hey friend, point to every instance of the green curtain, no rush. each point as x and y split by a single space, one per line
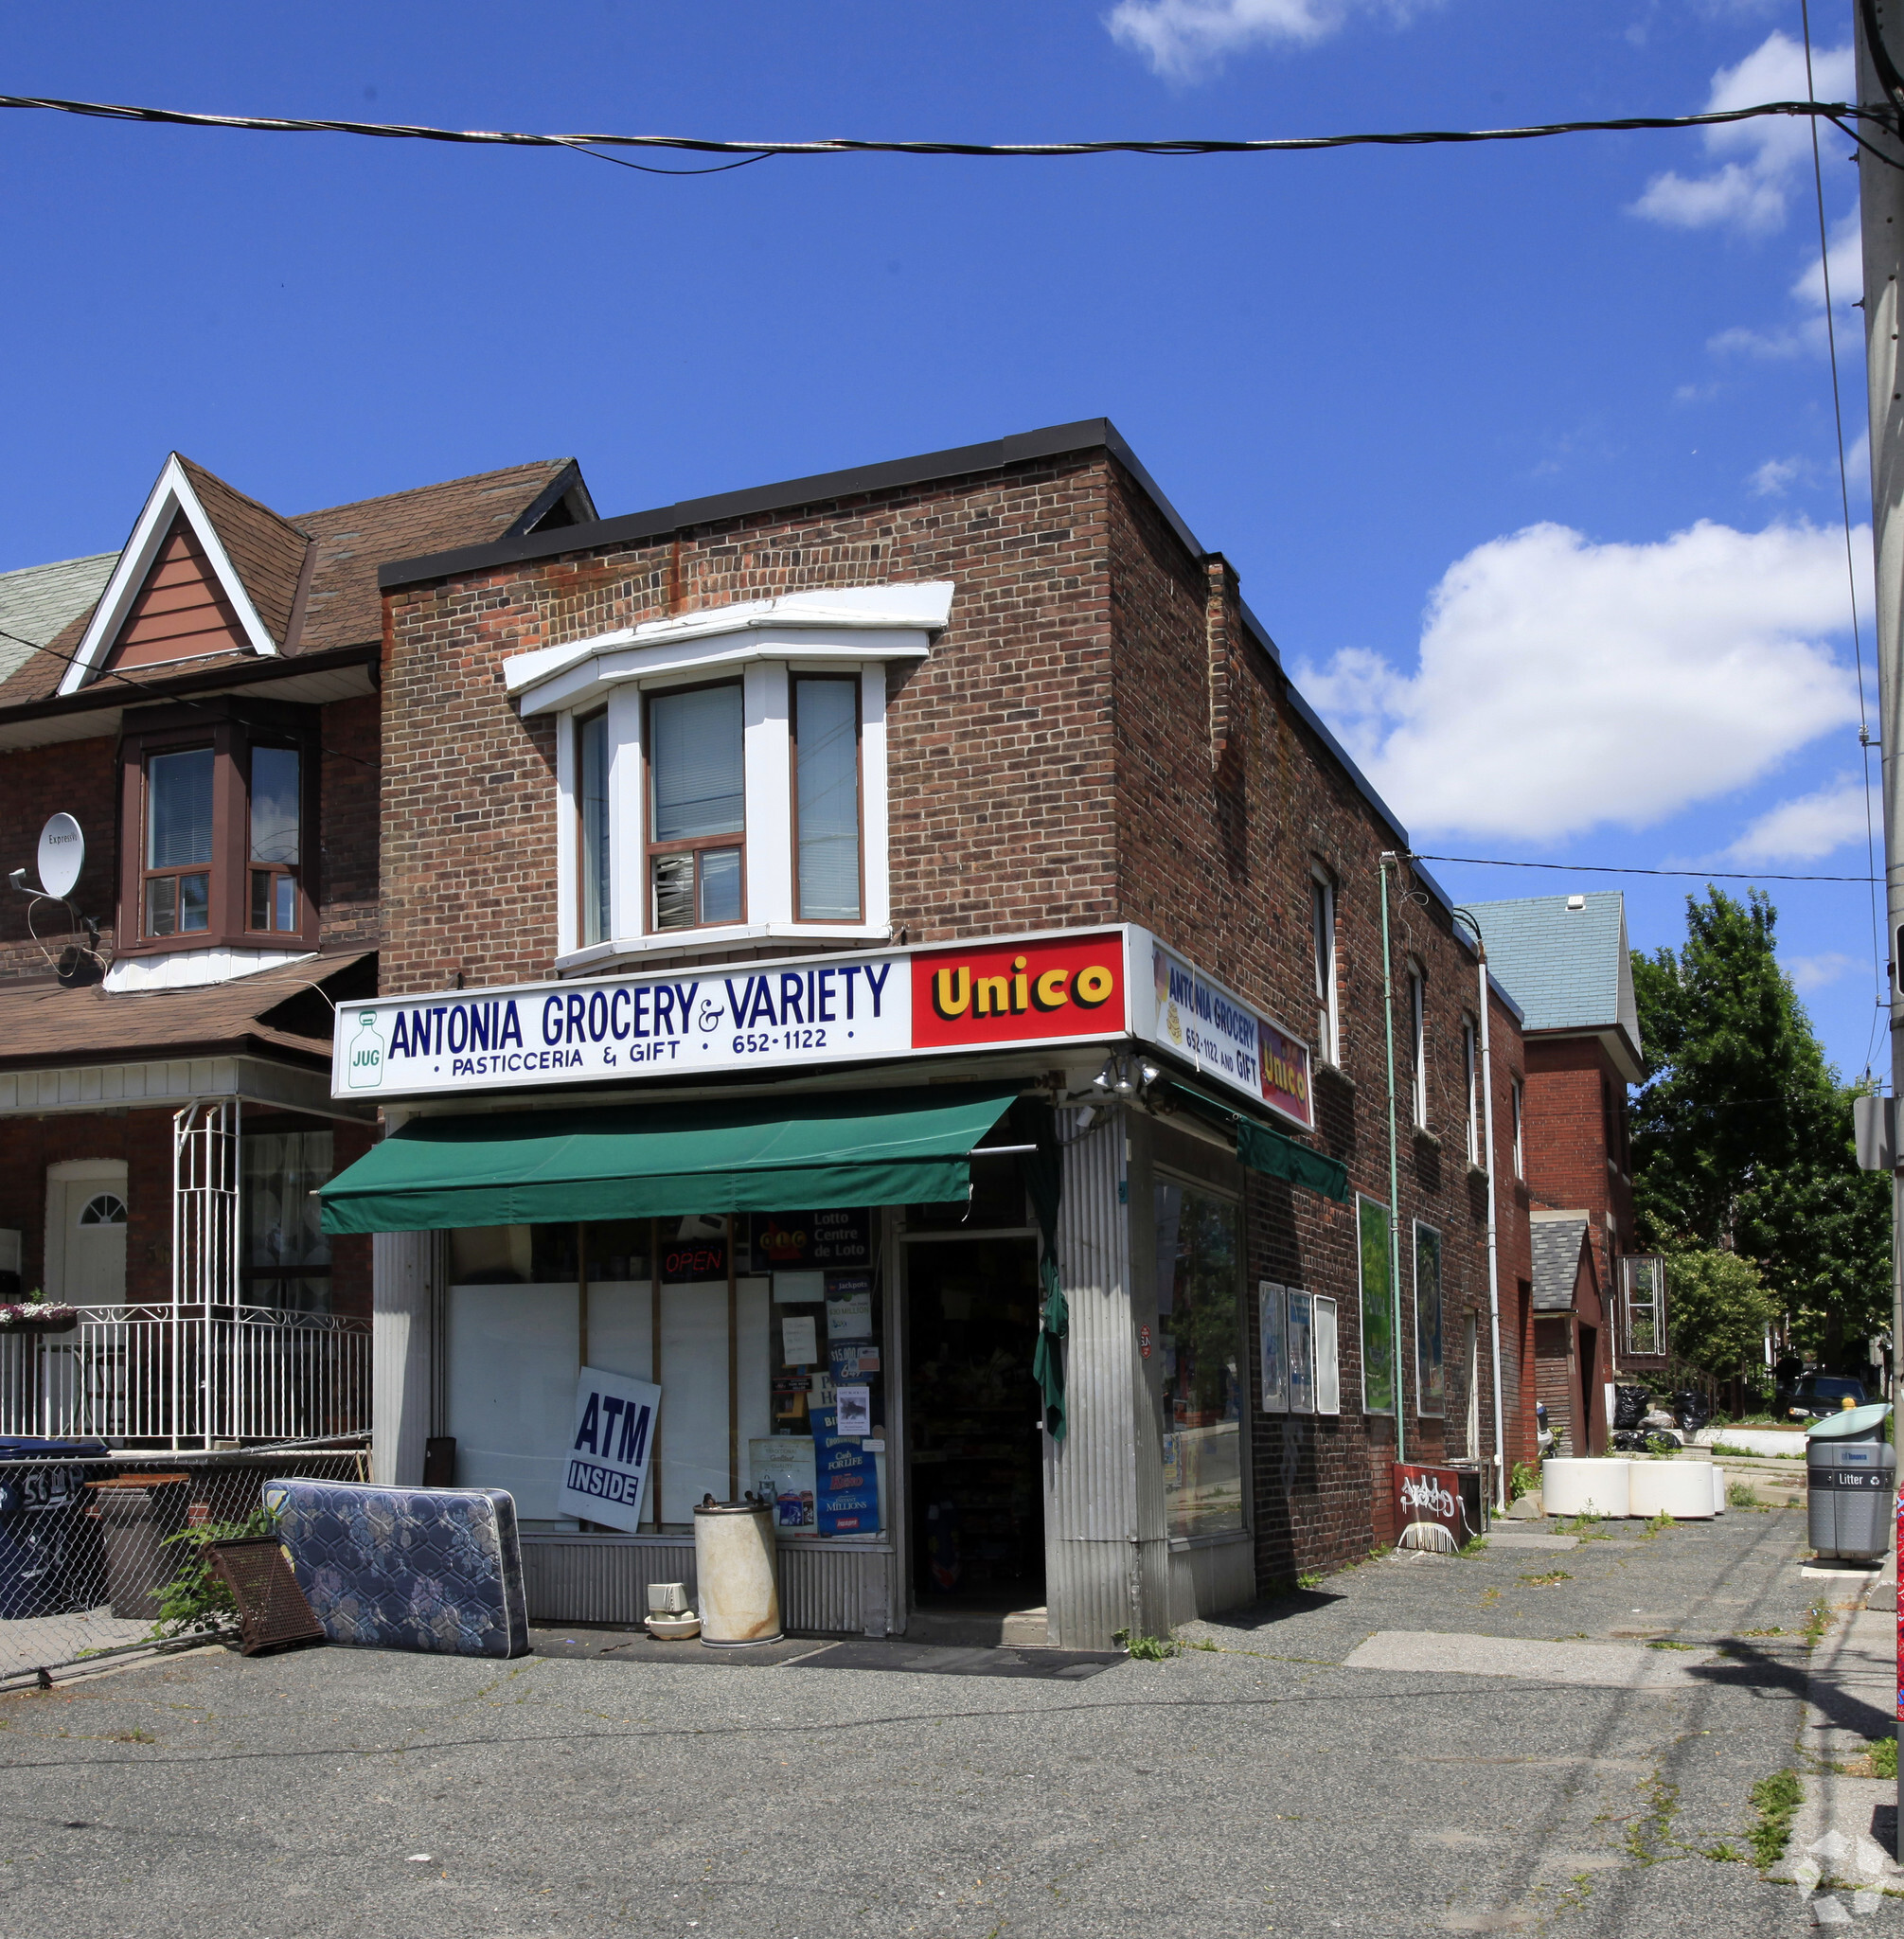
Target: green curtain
1042 1177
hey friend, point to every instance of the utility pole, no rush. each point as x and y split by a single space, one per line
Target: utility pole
1878 26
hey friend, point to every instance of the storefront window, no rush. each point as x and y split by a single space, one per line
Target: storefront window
1200 1326
286 1257
1430 1393
1377 1310
763 1334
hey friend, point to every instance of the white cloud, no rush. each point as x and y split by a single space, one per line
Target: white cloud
1564 684
1813 972
1771 479
1809 826
1183 39
1847 257
1759 161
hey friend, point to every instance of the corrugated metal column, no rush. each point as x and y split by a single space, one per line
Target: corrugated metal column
403 1350
1106 1558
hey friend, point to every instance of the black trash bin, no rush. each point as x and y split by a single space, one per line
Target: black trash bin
49 1548
137 1514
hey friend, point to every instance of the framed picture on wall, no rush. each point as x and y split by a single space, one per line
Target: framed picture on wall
1329 1362
1302 1352
1272 1329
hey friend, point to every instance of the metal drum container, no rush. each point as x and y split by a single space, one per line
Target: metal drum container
1850 1476
738 1586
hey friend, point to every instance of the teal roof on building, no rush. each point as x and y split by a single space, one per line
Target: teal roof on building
1565 961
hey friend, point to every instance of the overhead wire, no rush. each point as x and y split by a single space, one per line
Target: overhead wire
1880 963
1715 874
1842 115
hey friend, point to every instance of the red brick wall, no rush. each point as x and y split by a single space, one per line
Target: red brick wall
1567 1168
1094 738
80 778
142 1138
349 778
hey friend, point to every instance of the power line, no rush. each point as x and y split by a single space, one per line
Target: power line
1842 115
1715 874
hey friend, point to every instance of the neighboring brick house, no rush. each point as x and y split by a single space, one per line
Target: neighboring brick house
1566 960
991 730
1572 1342
202 703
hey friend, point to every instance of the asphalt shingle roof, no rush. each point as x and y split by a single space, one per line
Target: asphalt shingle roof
1568 969
37 602
1557 1262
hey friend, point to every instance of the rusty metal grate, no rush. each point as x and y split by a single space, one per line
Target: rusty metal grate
272 1610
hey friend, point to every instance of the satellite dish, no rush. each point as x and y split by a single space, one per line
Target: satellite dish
62 851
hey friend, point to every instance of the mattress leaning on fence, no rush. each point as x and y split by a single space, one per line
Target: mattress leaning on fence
427 1569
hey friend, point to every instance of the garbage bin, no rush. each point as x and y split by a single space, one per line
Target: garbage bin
49 1551
736 1582
1850 1474
137 1513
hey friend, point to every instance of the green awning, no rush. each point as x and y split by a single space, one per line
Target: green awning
754 1154
1268 1151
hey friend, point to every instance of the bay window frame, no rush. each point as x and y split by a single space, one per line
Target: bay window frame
689 845
796 675
230 730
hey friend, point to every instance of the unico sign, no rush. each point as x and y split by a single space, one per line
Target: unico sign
1017 992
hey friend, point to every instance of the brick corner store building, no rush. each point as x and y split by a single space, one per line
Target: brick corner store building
829 928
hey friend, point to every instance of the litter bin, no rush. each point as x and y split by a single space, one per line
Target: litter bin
49 1551
136 1514
733 1563
1850 1474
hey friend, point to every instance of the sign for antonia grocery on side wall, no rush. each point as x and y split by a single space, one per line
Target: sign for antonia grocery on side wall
993 993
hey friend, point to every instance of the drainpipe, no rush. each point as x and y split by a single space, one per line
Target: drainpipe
1388 859
1493 1231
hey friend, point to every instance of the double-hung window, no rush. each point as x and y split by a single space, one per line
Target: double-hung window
697 807
1322 913
216 836
827 883
179 791
722 770
1520 1152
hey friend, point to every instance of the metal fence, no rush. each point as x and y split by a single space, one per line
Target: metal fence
91 1545
189 1375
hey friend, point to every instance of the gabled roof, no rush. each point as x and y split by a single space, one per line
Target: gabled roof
1565 961
300 586
39 601
1558 1246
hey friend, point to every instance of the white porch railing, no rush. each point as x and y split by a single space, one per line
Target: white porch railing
189 1375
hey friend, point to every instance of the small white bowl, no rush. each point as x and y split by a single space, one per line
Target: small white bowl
675 1628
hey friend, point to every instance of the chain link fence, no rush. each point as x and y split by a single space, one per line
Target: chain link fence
91 1562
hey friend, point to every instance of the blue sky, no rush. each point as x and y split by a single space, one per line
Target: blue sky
1523 453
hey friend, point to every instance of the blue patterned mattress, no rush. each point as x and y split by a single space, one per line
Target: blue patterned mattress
428 1569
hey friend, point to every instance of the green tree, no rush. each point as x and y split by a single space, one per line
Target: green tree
1742 1136
1721 1308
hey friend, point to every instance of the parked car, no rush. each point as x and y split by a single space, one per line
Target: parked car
1819 1395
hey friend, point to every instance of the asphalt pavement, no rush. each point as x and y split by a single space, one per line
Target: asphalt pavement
1396 1750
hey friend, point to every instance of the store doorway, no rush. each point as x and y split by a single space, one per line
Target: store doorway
977 1513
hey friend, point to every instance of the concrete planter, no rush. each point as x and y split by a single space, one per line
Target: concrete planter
1683 1489
1581 1486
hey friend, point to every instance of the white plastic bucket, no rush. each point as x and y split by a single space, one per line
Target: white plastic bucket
1718 1490
1683 1489
1575 1486
738 1585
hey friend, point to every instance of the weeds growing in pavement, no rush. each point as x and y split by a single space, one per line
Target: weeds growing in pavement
1147 1649
1818 1620
1776 1800
1523 1480
1658 1525
1549 1580
1649 1834
1741 1494
1476 1545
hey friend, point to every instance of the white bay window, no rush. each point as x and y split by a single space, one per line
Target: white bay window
723 775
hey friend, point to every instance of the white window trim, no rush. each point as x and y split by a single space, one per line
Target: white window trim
1470 1059
764 655
170 496
1518 1091
848 625
1327 1000
1417 1024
